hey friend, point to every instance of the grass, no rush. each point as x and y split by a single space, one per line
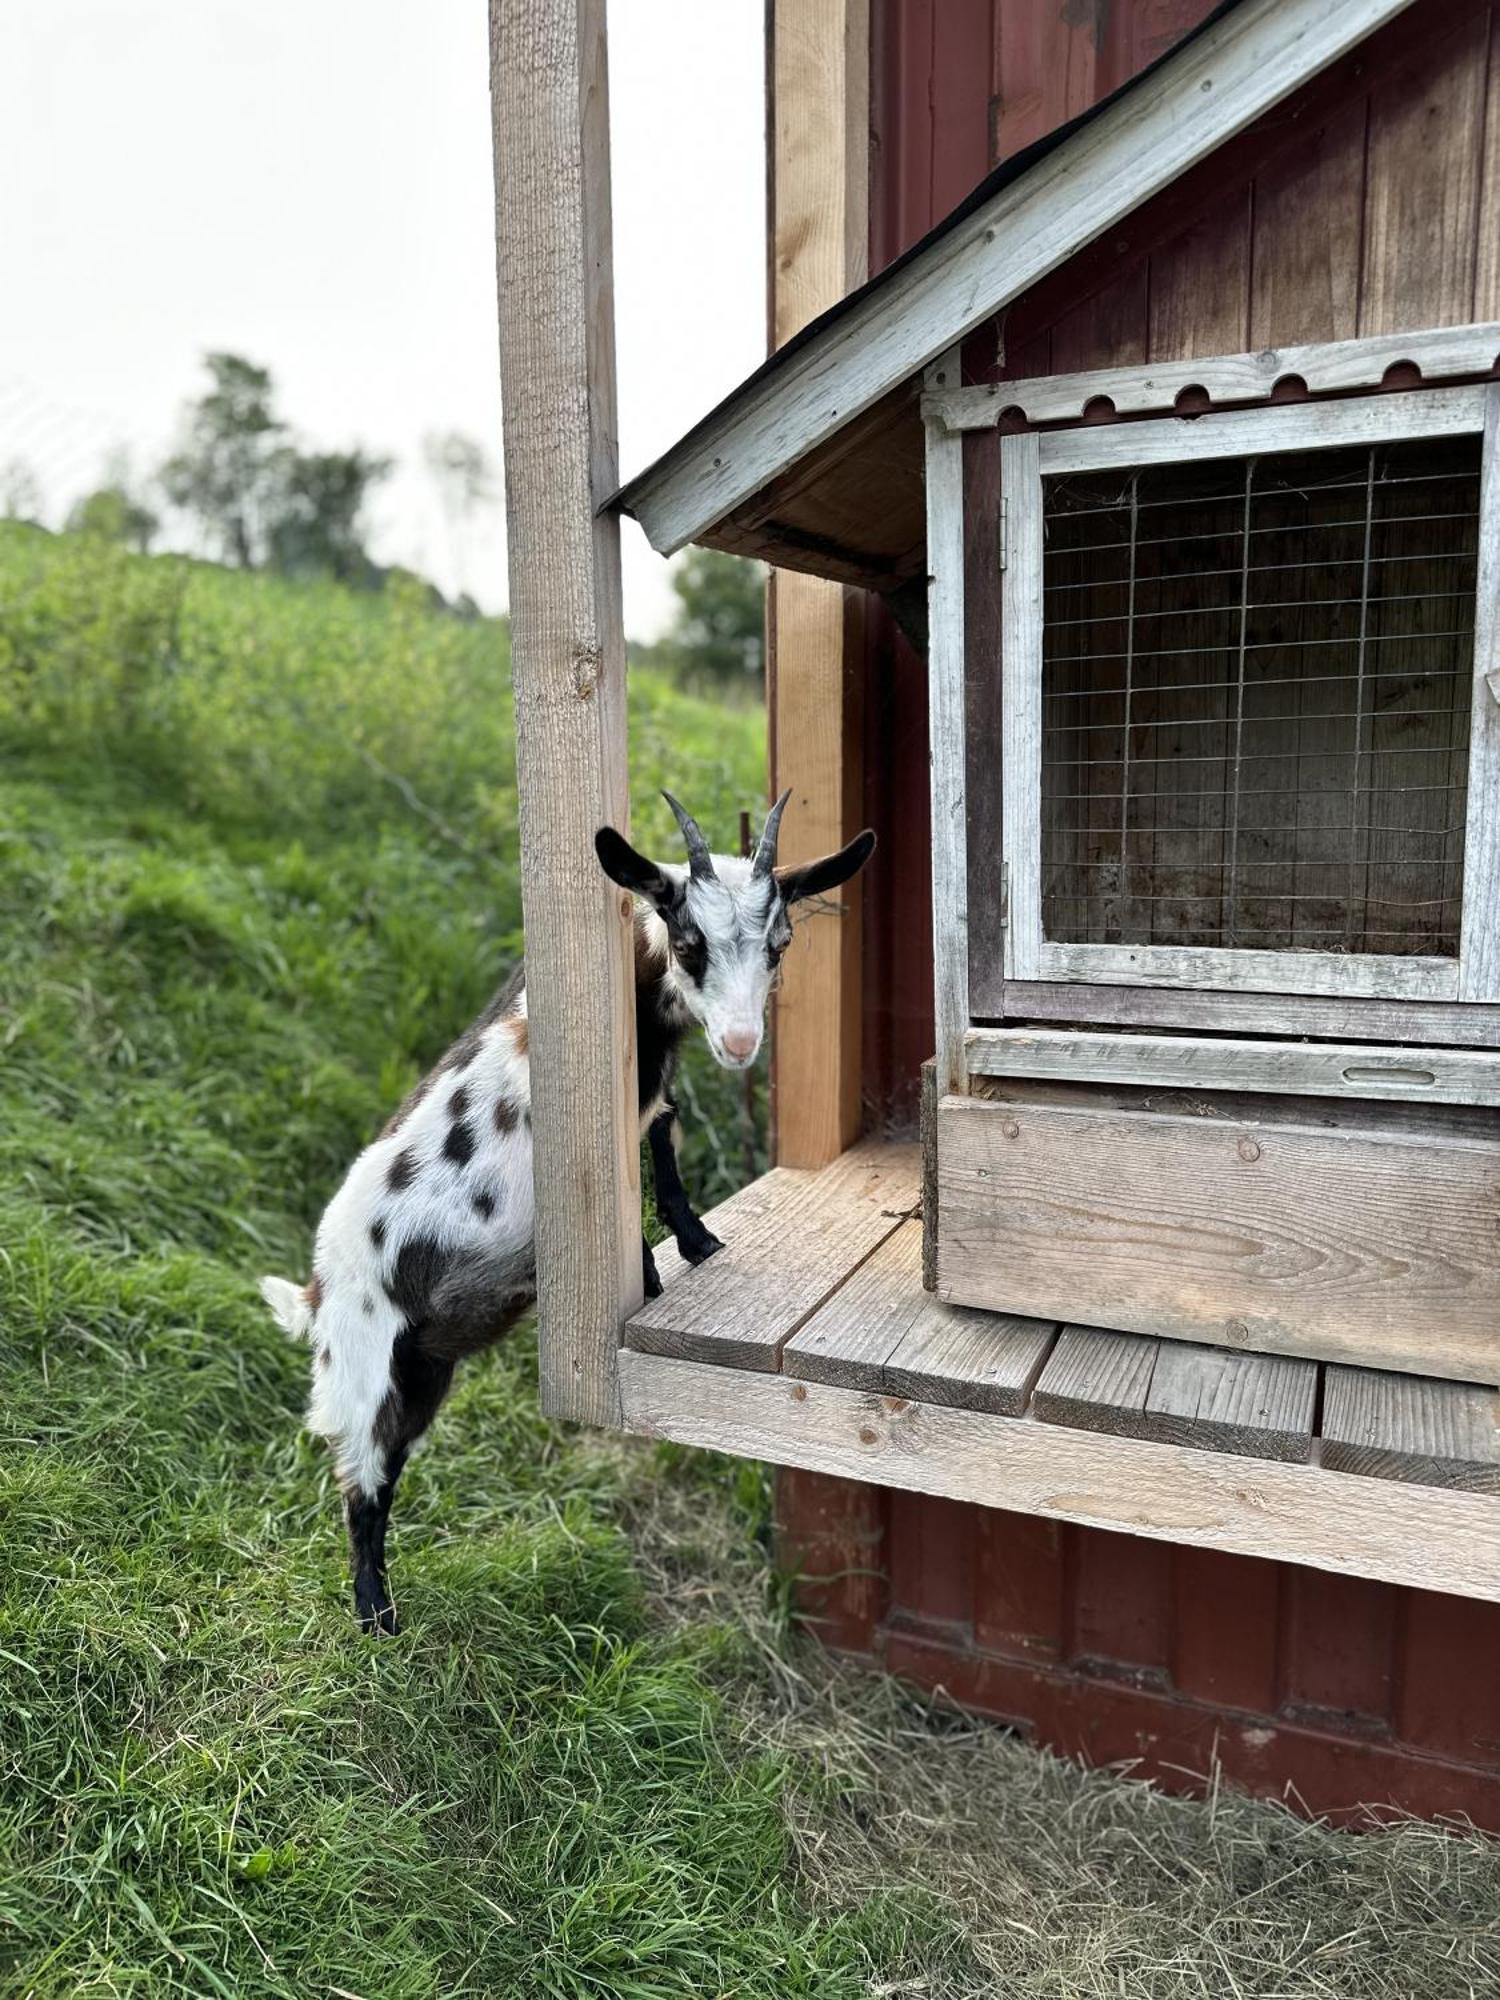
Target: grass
255 869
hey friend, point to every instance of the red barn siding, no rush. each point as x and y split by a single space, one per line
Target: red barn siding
1336 1691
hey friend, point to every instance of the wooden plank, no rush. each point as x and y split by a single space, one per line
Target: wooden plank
1203 1062
550 102
741 1306
1325 366
1368 974
1309 203
882 1331
1487 259
1233 73
769 1193
818 80
927 1138
1399 1021
1278 1234
945 732
1479 938
1408 1427
969 1360
1096 1381
1200 286
1256 1405
984 792
1422 179
1416 413
1021 698
1397 1533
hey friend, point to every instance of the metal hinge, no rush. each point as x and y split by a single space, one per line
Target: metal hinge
1004 531
1004 895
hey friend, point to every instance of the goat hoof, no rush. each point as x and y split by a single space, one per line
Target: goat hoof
701 1246
651 1278
377 1617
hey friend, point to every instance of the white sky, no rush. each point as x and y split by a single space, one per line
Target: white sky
308 182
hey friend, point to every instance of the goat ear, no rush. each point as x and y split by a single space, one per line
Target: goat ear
814 877
632 870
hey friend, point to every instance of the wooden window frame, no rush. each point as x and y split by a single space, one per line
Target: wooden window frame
1026 459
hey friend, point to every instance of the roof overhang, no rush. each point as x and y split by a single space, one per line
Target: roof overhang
784 468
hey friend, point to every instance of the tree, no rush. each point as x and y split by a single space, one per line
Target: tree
230 463
315 524
114 514
20 494
465 481
718 632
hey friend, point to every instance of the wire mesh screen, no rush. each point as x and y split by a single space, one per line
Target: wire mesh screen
1256 691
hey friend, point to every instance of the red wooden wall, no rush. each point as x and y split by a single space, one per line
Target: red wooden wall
1336 1691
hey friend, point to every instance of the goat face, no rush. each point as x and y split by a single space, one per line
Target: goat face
725 922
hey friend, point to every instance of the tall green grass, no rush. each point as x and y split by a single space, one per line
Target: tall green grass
257 866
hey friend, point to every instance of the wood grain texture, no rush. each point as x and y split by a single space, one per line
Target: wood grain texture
1217 1062
1422 180
1479 942
1284 427
1258 1405
1279 1235
1487 259
1353 975
1309 208
1199 98
818 79
984 790
1226 378
811 1232
1096 1381
1021 704
1200 285
927 1139
946 745
1404 1427
1419 1535
550 101
1443 1024
882 1331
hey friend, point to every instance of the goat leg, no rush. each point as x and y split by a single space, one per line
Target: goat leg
696 1242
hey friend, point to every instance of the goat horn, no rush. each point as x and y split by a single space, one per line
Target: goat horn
765 854
700 861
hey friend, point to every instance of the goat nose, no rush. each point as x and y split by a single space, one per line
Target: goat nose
741 1044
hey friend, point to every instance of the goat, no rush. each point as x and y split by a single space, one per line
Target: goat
426 1252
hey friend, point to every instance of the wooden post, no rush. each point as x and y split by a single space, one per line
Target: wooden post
819 76
550 106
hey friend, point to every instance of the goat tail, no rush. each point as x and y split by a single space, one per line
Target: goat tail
290 1305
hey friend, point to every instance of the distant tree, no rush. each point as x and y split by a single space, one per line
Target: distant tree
115 514
230 464
315 513
465 480
718 632
20 495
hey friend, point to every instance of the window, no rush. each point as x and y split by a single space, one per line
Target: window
1239 698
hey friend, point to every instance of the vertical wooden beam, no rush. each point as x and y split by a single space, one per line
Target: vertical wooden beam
550 105
945 735
818 70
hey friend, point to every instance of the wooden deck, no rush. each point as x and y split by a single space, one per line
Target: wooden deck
809 1341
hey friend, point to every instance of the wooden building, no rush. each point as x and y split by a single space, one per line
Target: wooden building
1127 463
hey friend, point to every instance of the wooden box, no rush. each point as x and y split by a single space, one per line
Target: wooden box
1337 1232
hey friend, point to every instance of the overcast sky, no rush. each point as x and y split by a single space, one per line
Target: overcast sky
308 182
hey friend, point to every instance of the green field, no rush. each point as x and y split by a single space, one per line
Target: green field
256 867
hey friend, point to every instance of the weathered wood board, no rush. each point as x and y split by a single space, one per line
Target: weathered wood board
1295 1513
1402 1427
810 1233
1276 1235
882 1331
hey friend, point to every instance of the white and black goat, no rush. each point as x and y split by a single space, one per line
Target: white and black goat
426 1252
